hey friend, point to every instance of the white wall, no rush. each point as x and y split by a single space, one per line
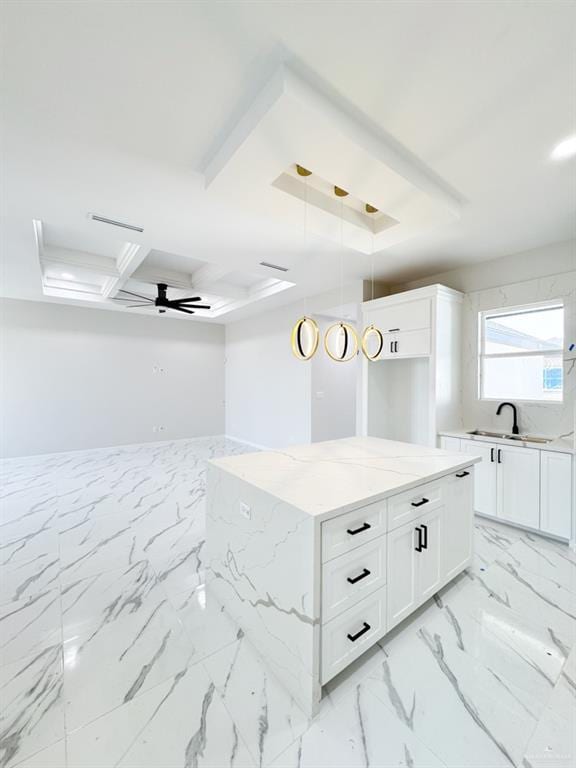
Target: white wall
333 406
74 378
268 390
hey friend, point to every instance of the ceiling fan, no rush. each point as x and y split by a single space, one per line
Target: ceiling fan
187 305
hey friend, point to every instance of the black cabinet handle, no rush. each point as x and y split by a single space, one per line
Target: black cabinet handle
492 454
391 330
462 474
391 347
425 542
499 456
356 579
395 346
420 503
363 527
418 546
363 631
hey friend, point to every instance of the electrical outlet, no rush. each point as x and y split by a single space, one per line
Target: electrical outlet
245 510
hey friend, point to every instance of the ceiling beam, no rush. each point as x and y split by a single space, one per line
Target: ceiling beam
130 258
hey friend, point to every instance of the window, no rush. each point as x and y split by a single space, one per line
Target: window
521 353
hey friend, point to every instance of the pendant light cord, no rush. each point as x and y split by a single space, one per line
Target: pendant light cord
342 259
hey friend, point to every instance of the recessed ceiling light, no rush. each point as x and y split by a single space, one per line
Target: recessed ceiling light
67 275
565 149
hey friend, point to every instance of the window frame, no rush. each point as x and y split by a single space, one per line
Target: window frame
481 356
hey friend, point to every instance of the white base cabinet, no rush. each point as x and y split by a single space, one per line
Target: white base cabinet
556 493
530 487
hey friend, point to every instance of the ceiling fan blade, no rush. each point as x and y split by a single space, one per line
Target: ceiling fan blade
199 306
181 309
139 295
147 304
126 299
188 298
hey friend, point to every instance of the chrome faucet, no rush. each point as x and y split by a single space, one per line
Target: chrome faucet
515 429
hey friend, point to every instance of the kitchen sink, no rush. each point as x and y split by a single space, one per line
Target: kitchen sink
506 436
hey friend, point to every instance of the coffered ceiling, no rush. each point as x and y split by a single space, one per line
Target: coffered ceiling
120 109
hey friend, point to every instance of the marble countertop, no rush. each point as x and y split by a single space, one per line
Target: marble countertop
558 444
339 475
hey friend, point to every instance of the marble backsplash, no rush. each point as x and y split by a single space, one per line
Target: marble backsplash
554 419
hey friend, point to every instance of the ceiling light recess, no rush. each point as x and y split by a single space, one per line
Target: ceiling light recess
114 223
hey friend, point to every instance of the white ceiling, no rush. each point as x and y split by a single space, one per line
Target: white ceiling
114 107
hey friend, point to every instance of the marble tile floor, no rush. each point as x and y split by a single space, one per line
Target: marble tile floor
113 655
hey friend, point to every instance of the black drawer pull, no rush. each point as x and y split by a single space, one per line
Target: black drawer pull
363 631
462 474
363 527
499 456
492 454
395 346
419 503
391 330
358 578
391 347
418 546
425 542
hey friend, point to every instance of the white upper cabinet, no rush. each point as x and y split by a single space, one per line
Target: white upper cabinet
556 493
399 316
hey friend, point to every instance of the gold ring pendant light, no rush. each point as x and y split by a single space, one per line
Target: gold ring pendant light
305 338
344 342
370 333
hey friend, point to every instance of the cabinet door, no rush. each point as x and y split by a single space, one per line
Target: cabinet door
402 316
429 561
402 596
458 523
484 475
518 485
555 493
412 343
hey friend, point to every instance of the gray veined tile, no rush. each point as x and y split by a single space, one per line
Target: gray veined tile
207 624
360 731
553 742
31 706
51 757
27 578
182 569
23 547
534 596
98 600
178 724
97 545
554 562
463 711
111 662
267 717
28 626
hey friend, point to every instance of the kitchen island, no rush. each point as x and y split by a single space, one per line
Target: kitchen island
317 551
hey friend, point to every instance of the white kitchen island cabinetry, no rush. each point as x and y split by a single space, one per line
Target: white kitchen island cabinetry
318 551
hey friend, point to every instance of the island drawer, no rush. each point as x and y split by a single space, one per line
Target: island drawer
353 576
407 506
347 636
347 532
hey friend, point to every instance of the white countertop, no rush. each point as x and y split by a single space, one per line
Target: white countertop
342 474
558 444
